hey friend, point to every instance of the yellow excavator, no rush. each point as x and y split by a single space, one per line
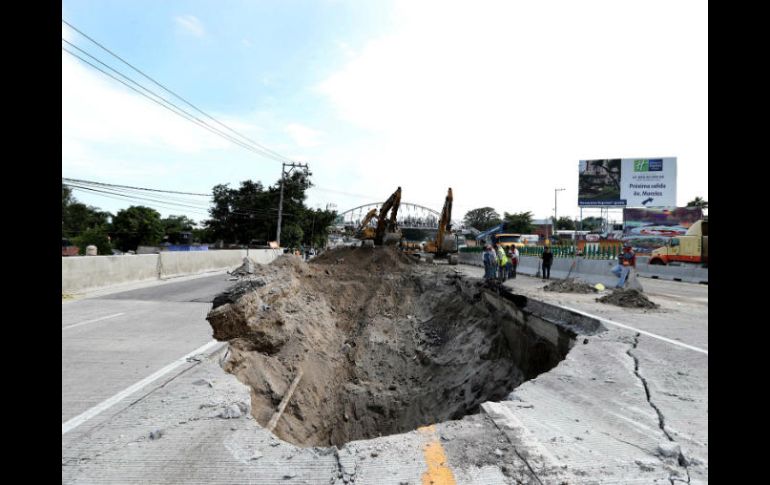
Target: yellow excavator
365 231
445 243
386 229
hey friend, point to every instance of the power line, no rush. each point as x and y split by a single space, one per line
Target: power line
132 196
116 189
189 117
111 194
268 152
163 101
262 150
135 188
123 198
137 197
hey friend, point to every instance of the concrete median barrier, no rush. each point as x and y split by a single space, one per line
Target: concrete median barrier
598 270
82 273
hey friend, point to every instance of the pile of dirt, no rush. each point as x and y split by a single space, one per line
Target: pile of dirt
570 285
371 258
383 345
245 269
628 298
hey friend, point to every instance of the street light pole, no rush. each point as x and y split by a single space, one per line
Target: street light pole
284 173
555 191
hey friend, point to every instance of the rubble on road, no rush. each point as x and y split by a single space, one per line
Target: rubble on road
245 269
629 298
569 285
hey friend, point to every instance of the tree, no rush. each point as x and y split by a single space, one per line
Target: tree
250 213
565 223
318 234
698 202
520 222
135 226
174 226
77 217
482 218
96 236
202 234
592 223
291 235
66 200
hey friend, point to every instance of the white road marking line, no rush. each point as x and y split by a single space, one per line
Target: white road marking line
92 321
677 297
107 403
628 327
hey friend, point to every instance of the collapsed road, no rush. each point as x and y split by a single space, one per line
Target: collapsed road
593 405
382 345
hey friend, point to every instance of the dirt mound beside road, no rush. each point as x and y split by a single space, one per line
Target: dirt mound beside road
628 298
570 285
385 258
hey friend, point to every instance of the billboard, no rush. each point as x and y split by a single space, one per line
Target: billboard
648 229
648 182
627 182
599 183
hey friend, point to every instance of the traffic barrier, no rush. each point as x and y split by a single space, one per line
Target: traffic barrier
598 270
81 273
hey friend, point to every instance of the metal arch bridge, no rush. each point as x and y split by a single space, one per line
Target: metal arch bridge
410 216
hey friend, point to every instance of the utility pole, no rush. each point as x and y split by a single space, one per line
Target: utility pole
284 173
555 191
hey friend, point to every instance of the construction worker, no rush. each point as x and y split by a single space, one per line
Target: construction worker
547 258
626 261
490 262
502 260
514 261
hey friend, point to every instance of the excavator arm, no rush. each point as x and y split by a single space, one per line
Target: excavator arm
445 224
383 223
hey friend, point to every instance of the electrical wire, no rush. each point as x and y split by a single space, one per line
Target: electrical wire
265 150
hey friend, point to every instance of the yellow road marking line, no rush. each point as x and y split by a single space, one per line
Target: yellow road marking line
438 473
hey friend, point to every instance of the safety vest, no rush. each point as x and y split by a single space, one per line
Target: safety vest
501 257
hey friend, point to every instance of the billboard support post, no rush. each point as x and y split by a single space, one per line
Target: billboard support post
555 191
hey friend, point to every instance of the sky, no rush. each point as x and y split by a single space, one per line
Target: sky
498 100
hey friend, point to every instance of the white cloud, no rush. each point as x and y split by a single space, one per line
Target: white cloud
97 110
191 25
112 134
303 136
246 42
348 51
500 100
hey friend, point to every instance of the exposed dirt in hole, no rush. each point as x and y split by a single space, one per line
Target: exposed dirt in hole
629 298
570 285
384 345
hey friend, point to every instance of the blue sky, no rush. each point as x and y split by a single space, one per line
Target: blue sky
498 100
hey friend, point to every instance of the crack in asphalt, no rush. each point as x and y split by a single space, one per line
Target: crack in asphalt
340 472
531 470
681 460
340 475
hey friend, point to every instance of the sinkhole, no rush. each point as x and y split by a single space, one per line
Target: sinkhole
363 343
